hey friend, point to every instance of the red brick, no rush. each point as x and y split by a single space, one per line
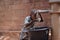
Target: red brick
12 12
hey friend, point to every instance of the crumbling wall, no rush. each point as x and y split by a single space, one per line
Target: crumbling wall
13 12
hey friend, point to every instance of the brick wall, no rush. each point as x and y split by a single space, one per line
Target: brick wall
13 12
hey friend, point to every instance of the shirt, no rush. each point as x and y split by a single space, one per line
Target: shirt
27 20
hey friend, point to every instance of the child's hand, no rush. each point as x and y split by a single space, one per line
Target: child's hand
39 19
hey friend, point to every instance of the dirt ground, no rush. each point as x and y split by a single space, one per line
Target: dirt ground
9 35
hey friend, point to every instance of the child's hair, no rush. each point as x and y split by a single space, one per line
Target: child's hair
33 13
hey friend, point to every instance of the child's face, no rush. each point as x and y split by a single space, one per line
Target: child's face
33 17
